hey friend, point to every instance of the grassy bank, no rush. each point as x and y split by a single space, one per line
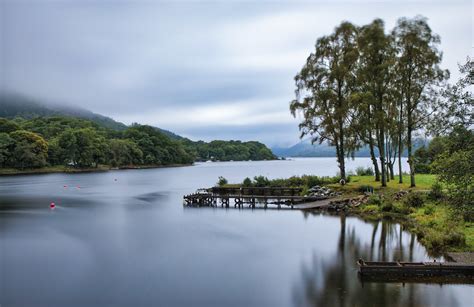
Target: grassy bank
438 227
423 182
67 169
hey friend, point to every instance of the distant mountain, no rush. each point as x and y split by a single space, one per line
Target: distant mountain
306 149
13 105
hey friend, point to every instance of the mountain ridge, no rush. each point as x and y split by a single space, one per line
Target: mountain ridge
16 105
306 149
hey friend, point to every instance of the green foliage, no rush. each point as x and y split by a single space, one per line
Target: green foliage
425 156
367 171
323 89
455 169
7 126
414 200
222 181
401 208
247 182
436 192
370 209
305 181
429 209
157 148
387 205
124 152
29 150
6 145
261 181
84 144
375 199
228 150
362 86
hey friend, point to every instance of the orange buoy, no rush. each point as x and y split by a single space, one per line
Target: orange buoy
52 205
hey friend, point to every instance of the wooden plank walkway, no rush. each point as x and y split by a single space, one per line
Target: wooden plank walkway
414 269
254 198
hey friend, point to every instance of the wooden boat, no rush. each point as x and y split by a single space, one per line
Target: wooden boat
415 269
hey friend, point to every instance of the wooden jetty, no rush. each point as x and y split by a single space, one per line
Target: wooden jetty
252 196
399 270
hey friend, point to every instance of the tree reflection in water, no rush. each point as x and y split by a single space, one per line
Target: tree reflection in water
333 281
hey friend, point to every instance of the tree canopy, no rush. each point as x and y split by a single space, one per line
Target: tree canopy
365 86
81 143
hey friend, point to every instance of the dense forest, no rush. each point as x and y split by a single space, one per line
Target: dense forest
79 143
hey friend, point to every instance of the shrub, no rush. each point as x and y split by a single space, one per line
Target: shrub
375 200
221 181
436 192
429 209
439 240
387 206
414 200
261 181
401 209
367 171
247 182
370 209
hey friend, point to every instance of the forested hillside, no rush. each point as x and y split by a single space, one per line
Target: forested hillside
13 106
228 150
80 143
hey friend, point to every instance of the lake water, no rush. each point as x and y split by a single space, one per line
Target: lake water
123 238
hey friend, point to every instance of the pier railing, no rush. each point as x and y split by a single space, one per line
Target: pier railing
252 196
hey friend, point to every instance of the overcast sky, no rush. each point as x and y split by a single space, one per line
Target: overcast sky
205 70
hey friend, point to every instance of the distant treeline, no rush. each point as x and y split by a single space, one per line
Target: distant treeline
228 150
62 140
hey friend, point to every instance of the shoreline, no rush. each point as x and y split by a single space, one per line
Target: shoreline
414 226
70 170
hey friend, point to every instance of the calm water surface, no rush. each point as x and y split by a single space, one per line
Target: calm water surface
123 238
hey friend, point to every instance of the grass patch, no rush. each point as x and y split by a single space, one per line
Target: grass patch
358 183
468 230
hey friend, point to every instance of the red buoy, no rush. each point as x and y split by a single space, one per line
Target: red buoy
52 205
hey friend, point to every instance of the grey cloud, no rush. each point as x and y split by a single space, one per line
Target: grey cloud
140 58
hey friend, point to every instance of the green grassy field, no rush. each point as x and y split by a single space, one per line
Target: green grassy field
423 182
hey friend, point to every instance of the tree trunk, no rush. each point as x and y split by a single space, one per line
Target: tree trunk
400 172
381 141
340 162
411 161
342 165
374 159
392 175
400 145
371 146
